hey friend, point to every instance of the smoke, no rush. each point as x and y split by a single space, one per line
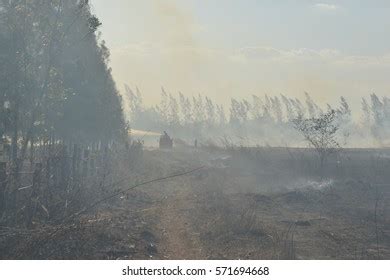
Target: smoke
167 43
175 23
176 28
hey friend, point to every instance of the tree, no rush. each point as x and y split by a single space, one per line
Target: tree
235 112
344 109
210 112
277 109
320 133
163 108
134 104
366 118
173 113
245 108
267 108
312 107
198 110
377 109
289 109
185 109
256 108
386 108
299 109
221 115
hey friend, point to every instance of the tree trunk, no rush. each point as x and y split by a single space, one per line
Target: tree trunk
3 185
31 208
14 159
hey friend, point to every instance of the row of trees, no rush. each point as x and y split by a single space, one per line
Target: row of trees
59 107
258 116
54 78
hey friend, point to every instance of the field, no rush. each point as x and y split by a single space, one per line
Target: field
244 203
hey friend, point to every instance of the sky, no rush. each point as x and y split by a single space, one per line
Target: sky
236 48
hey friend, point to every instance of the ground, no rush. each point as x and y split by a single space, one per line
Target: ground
227 210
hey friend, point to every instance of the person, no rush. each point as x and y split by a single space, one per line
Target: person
196 143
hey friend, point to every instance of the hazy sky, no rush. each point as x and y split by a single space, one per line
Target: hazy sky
236 48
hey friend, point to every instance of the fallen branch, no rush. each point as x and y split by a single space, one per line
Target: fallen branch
93 205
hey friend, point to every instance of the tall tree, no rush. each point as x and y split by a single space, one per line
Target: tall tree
210 112
185 109
366 118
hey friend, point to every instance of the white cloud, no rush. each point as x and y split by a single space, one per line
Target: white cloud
247 55
263 53
327 7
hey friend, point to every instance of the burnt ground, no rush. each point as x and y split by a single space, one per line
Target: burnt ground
236 207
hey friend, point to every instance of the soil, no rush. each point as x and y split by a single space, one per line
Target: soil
224 211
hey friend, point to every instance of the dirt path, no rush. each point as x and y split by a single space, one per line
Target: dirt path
178 240
173 218
176 217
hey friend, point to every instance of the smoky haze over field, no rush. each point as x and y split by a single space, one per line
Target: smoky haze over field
249 64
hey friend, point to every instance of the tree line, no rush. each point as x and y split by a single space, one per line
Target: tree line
259 117
55 83
61 117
